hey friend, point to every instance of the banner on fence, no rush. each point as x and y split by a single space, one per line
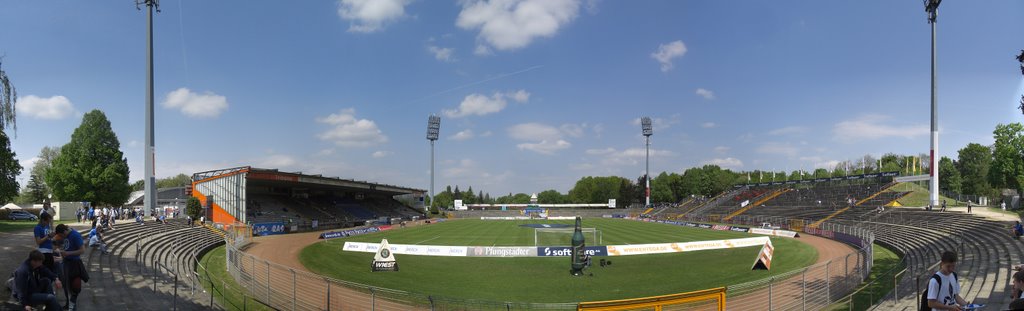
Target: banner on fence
403 249
345 233
720 227
661 248
566 251
501 251
774 232
507 218
384 260
820 232
268 228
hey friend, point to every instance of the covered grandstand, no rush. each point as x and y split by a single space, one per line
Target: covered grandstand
293 201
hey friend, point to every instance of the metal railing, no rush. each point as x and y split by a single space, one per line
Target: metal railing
284 288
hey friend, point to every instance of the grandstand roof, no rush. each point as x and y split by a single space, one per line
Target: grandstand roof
275 176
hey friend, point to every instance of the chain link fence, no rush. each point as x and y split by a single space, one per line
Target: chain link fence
284 288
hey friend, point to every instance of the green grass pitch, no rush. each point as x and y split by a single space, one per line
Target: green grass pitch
547 279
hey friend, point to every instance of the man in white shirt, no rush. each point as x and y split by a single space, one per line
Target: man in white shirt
944 293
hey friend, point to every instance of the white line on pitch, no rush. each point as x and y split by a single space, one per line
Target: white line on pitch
427 240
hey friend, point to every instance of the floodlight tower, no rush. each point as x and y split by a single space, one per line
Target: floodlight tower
433 129
149 202
648 130
1020 58
932 8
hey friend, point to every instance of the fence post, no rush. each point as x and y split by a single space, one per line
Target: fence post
771 280
211 291
293 289
803 290
828 282
895 289
252 277
328 294
268 282
373 299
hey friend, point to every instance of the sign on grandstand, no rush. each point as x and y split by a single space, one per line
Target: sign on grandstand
384 260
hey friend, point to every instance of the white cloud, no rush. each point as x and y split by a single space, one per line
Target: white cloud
608 150
873 126
347 131
788 130
324 152
722 149
777 148
479 104
381 153
708 125
668 51
51 108
706 93
462 135
632 156
534 131
573 130
545 146
206 105
277 161
732 163
521 96
486 134
513 24
442 54
366 16
541 138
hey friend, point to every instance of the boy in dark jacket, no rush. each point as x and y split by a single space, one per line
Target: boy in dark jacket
32 283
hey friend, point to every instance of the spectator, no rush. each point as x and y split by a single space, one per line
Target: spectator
138 219
1002 205
1018 230
74 269
943 205
1018 285
1017 305
43 233
968 206
32 283
943 288
96 240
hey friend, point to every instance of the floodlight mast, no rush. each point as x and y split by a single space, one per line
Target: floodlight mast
433 129
932 8
1020 58
149 201
648 130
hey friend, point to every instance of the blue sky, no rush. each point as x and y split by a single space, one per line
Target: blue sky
533 94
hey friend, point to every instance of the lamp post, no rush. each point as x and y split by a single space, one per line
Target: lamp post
932 8
1020 58
149 201
433 129
648 130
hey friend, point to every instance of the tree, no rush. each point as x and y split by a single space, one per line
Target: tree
550 196
193 207
973 163
179 180
821 173
91 166
8 98
35 189
950 180
138 185
1007 170
9 169
45 160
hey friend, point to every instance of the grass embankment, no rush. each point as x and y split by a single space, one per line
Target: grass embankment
225 290
547 279
918 196
886 265
27 225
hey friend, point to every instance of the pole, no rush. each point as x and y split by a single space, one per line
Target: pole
647 174
431 174
150 187
934 182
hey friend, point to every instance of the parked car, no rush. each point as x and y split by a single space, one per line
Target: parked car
21 215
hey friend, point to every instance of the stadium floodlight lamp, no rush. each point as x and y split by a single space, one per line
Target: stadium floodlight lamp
645 123
433 127
932 8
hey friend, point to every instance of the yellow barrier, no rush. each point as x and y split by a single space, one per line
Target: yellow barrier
711 299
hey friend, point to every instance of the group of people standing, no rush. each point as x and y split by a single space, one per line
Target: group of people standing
55 264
